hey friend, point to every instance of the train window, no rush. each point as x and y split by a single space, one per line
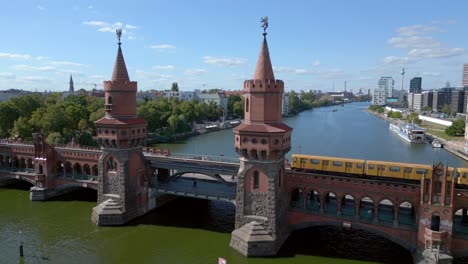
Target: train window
303 161
465 175
381 167
337 164
370 167
325 162
358 166
295 160
421 171
349 164
408 170
394 169
313 161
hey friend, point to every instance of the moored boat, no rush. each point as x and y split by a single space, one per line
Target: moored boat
409 132
436 144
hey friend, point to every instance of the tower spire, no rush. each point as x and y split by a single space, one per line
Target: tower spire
120 72
264 69
72 87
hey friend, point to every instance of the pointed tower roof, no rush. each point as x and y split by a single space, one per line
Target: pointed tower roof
264 70
71 79
120 70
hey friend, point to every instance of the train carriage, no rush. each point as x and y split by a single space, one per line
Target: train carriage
398 170
327 164
462 176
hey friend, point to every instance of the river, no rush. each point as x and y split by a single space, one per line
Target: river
198 231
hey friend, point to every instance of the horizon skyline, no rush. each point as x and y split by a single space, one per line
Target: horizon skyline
161 47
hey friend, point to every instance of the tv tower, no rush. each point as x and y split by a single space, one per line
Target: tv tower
402 77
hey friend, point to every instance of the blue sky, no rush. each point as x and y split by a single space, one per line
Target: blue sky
215 44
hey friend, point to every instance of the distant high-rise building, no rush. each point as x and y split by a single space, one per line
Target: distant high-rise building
72 87
418 100
384 90
458 101
415 85
441 98
428 98
465 75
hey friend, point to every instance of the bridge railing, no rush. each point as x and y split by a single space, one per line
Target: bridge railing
199 157
198 191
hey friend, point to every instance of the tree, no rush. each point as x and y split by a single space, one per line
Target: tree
175 87
446 109
457 128
413 118
427 108
232 100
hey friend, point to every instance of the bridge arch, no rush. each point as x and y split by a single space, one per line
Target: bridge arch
406 214
348 205
296 198
20 178
408 245
181 173
313 200
366 209
386 211
68 187
330 202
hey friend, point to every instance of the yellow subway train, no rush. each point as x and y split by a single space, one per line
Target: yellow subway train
370 168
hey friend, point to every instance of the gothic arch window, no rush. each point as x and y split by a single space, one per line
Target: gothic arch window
435 222
247 105
109 100
256 181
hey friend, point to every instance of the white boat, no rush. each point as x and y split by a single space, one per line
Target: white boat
436 144
409 132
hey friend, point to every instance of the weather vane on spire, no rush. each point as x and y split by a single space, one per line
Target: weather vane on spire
264 21
119 35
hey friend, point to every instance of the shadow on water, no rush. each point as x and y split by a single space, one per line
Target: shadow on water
217 216
463 260
329 241
80 194
18 185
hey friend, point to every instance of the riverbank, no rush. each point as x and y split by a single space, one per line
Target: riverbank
456 147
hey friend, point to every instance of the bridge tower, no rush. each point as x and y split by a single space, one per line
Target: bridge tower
262 141
436 215
123 192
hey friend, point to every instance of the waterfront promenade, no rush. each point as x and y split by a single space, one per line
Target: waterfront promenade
456 147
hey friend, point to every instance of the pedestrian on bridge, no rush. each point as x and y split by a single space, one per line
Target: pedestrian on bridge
195 184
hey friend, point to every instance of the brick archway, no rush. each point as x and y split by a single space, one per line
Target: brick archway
403 237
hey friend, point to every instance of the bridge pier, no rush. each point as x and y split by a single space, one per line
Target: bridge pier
429 256
38 194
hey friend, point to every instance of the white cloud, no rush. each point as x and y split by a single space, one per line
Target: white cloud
195 71
432 74
163 47
417 30
316 63
164 67
420 46
413 42
102 26
15 56
7 75
42 8
436 53
151 75
332 74
395 60
66 63
96 23
224 61
23 67
130 26
36 79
